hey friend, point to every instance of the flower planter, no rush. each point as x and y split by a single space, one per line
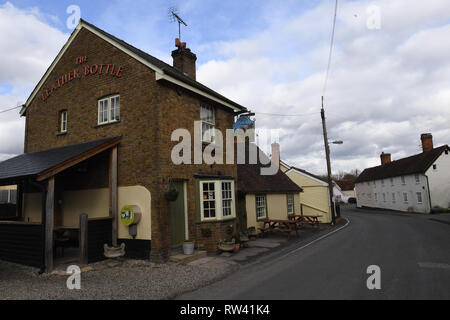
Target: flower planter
114 252
188 248
227 246
171 195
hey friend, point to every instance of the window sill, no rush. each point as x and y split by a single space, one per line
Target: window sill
217 220
59 134
106 124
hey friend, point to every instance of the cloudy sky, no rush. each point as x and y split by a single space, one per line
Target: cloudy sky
389 80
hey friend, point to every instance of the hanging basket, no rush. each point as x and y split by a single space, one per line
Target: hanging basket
172 193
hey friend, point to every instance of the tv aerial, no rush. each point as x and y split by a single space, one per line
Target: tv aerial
174 17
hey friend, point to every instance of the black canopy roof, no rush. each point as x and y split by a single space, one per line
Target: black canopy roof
34 163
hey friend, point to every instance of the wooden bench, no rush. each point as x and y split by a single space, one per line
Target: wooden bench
303 219
285 226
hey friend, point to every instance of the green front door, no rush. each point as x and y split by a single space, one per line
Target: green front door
177 217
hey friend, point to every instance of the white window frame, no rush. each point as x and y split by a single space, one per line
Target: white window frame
384 197
405 197
64 118
392 182
393 197
218 205
209 122
110 111
419 197
403 180
290 196
227 195
264 196
376 197
417 178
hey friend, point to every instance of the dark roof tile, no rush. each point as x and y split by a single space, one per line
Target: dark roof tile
33 163
250 179
418 163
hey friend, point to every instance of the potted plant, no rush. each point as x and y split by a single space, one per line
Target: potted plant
226 245
206 232
251 232
171 195
188 247
244 239
114 251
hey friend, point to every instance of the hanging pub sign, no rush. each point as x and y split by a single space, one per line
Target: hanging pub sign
82 70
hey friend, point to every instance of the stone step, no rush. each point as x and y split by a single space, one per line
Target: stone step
185 259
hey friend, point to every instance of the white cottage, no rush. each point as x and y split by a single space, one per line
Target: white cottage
417 183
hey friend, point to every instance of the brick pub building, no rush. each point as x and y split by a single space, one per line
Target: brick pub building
98 138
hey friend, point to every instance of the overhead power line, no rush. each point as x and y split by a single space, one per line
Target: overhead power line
10 109
331 50
287 115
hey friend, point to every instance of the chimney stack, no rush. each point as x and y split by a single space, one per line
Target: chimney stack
385 158
184 60
427 142
276 153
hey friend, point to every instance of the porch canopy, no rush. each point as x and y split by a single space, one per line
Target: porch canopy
42 165
40 168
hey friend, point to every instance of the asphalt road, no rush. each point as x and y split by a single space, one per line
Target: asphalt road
412 251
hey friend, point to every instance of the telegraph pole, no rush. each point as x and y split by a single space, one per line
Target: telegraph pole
327 153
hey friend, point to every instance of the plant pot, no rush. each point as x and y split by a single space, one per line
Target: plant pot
114 252
171 195
227 246
188 248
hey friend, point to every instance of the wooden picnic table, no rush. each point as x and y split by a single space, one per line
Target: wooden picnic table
301 219
286 226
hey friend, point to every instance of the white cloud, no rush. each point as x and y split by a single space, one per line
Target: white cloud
386 86
27 47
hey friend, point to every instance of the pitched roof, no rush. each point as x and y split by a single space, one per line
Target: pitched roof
34 163
418 163
345 185
169 72
310 174
250 179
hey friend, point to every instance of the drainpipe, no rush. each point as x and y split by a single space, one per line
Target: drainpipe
429 195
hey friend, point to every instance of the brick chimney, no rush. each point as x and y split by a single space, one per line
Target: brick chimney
276 153
385 158
427 142
184 60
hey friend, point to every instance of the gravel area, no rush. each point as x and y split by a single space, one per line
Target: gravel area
122 279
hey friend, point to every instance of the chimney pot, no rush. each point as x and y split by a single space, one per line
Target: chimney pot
385 158
427 142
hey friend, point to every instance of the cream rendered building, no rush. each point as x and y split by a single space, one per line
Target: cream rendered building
265 196
315 198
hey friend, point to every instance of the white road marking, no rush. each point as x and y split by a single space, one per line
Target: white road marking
434 265
318 239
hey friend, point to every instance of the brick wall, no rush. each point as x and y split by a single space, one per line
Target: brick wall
149 112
